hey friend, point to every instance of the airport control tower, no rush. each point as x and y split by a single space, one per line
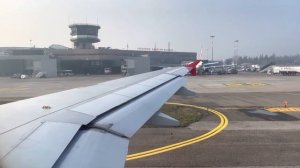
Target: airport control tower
84 35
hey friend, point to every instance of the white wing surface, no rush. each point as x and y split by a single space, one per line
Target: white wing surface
83 127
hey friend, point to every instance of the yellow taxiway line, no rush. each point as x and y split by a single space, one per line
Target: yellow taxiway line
222 125
283 109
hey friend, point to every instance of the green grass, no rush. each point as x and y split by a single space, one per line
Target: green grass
185 115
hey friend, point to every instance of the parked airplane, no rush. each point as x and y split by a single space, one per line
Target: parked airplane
86 127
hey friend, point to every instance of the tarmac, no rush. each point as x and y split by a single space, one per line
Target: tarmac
255 137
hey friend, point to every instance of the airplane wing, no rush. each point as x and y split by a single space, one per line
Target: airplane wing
84 127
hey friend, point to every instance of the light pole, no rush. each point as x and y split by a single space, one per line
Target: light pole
236 51
212 47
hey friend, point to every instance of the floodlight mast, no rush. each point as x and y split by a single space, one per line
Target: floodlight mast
212 47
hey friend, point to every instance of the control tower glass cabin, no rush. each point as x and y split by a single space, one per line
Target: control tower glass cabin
84 35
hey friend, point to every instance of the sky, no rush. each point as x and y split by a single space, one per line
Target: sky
260 26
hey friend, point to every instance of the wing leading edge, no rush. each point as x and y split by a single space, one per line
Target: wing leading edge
85 127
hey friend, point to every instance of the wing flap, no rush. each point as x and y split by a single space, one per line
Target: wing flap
41 148
11 139
95 148
103 104
127 120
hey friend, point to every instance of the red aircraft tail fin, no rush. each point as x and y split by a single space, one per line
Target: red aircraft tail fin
192 66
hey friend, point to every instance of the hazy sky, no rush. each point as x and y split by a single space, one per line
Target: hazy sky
261 26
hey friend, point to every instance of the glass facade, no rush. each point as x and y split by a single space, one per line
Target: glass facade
84 30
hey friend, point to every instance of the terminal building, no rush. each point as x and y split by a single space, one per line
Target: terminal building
84 58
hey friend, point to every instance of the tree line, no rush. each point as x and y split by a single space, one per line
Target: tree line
266 59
